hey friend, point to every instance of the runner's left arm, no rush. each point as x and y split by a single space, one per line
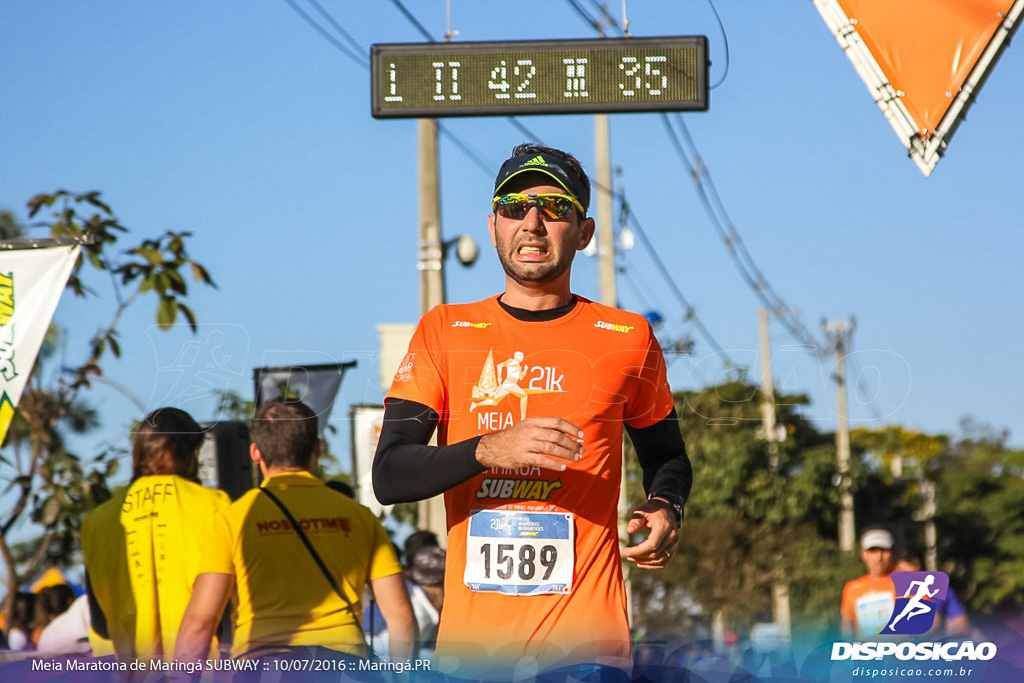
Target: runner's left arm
667 476
662 455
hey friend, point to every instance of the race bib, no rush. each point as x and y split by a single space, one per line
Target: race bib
873 612
520 553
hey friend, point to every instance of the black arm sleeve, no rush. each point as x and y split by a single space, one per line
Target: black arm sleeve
662 455
97 620
405 468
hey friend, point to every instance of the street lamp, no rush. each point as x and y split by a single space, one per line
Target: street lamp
466 249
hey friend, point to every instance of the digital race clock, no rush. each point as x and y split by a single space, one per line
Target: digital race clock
428 80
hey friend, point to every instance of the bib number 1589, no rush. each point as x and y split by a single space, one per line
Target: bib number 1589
507 562
520 552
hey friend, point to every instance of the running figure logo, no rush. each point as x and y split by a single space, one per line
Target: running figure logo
918 595
509 378
497 383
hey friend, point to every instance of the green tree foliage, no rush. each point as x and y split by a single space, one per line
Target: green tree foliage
896 465
979 485
759 513
896 448
46 481
9 226
980 521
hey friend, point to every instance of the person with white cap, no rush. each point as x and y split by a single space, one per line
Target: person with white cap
868 601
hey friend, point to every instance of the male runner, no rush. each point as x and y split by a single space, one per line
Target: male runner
531 486
868 601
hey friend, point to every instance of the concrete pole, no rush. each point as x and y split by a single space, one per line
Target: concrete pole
431 263
767 390
431 267
780 589
605 228
930 537
609 296
840 333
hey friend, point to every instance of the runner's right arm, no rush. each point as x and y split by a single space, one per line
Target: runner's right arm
405 468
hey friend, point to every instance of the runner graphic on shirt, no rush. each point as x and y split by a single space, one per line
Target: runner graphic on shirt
915 606
492 388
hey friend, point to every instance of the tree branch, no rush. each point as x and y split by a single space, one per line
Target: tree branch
33 562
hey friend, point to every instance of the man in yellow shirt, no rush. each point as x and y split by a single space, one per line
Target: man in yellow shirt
284 603
141 548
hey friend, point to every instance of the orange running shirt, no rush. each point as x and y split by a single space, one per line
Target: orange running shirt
868 603
538 572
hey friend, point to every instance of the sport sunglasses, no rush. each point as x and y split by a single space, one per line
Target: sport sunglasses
550 206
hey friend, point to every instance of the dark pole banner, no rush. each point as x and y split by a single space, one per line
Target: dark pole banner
315 385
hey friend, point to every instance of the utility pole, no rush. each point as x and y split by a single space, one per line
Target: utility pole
930 537
431 267
780 588
839 333
767 390
431 252
605 229
609 296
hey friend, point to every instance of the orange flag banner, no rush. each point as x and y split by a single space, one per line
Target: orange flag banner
923 60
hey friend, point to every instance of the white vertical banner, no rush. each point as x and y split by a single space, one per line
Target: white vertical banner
31 282
367 422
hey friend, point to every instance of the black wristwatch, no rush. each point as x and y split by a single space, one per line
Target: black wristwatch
675 500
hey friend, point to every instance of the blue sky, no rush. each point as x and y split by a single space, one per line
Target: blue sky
238 122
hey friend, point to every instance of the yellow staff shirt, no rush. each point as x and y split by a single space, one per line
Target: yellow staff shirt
141 553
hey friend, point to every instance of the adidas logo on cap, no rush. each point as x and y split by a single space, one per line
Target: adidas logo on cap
536 161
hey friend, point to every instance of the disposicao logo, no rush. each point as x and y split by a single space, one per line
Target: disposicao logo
947 652
918 597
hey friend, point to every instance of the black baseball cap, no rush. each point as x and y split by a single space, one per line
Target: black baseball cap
556 168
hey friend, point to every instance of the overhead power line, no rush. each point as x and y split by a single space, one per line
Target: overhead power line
725 44
470 153
720 221
518 125
585 16
725 228
413 20
338 28
599 26
359 59
691 313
